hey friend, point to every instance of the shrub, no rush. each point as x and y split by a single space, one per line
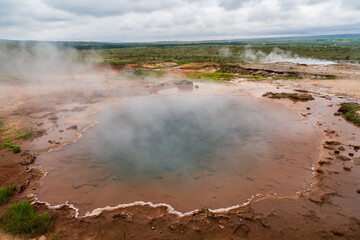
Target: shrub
6 193
20 218
23 135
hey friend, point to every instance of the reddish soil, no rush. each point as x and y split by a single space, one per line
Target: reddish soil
330 210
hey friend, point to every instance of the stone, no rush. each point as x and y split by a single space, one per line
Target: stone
73 127
341 148
332 142
29 196
329 147
343 158
347 168
322 162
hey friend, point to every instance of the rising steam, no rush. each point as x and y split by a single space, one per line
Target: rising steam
277 55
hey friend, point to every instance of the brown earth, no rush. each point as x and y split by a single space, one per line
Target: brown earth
330 210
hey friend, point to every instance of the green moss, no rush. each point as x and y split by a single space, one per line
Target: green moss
6 193
193 67
253 77
137 73
183 62
20 218
350 112
8 143
330 77
23 135
15 148
213 76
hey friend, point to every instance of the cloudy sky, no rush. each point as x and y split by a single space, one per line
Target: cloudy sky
163 20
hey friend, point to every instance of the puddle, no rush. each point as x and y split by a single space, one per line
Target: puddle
185 151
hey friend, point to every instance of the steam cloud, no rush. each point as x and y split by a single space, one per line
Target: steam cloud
42 61
277 55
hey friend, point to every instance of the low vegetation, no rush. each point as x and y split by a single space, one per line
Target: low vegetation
292 96
184 53
6 193
23 135
9 136
140 73
253 77
213 76
351 112
20 218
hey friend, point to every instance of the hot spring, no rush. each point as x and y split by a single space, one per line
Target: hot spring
186 151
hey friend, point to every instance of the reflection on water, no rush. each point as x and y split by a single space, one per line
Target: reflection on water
189 152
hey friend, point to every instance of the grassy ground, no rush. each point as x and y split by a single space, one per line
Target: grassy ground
6 193
212 76
212 53
20 218
351 112
9 134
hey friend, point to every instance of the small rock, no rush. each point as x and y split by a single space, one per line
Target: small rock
322 162
73 127
308 108
152 228
329 147
332 142
337 152
129 217
319 170
29 196
347 168
42 237
341 148
351 154
196 86
358 191
221 226
343 158
329 105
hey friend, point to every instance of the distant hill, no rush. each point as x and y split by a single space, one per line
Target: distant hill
324 40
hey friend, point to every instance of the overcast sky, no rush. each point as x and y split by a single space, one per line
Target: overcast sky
160 20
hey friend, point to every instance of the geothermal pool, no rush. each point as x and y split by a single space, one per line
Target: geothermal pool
185 151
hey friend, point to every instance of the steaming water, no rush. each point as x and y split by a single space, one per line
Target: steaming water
189 152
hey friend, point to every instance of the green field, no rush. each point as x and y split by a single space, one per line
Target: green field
118 54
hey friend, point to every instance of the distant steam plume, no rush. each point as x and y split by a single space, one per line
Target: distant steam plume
277 55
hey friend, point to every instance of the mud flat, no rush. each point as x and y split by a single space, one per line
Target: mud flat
328 209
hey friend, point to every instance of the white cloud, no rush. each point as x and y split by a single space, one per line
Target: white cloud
141 20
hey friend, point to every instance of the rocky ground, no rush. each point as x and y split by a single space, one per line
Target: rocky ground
330 210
